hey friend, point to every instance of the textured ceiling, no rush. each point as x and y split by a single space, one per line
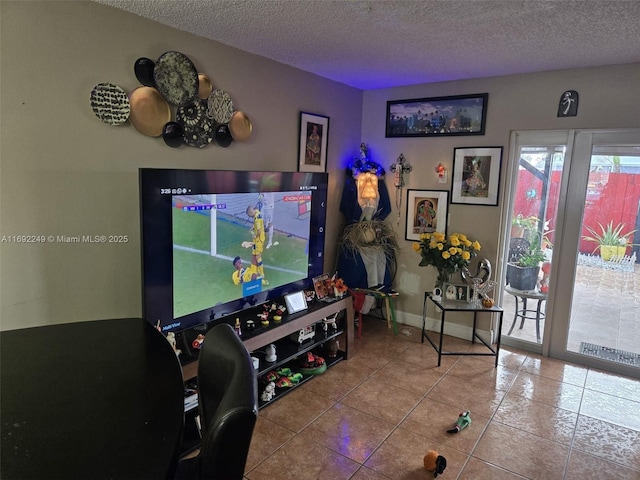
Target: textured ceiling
388 43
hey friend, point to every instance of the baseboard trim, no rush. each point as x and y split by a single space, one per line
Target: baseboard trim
450 328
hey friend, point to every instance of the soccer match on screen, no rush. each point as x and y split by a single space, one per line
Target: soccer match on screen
230 246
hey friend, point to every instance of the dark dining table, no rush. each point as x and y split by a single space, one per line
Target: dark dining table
101 399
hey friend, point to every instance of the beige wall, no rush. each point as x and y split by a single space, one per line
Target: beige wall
64 172
609 98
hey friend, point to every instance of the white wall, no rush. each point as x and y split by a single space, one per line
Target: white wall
609 98
64 172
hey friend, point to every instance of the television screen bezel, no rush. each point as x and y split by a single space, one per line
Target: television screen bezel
157 187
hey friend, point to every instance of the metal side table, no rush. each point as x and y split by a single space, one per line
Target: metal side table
447 306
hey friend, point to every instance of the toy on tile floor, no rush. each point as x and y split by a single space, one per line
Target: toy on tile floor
434 463
464 420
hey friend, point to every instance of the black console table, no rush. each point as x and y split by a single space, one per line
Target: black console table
444 307
100 400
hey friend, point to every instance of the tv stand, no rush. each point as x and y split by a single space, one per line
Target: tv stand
287 350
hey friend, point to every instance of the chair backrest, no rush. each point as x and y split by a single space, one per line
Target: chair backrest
228 403
518 246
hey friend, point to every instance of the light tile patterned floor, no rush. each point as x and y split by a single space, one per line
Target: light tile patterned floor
374 416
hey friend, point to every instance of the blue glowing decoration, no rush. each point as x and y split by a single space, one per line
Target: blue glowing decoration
363 164
531 194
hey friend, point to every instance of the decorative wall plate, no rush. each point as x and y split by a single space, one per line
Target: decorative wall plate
197 126
220 106
176 78
205 87
149 111
110 103
143 68
240 127
223 136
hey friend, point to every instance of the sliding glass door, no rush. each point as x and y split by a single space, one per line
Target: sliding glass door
587 224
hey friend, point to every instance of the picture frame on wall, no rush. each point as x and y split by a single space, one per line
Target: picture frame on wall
476 175
437 116
314 140
426 212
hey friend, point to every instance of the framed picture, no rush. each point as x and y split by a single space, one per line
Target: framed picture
426 212
321 284
437 116
476 175
455 292
314 136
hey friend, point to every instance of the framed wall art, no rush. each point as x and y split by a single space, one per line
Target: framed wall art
437 116
476 175
426 212
314 137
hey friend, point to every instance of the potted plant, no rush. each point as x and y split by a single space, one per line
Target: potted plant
610 240
524 227
523 271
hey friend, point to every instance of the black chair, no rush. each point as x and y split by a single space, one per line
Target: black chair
518 246
228 404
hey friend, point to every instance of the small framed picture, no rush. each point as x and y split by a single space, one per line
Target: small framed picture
455 292
426 212
321 285
296 302
476 175
314 140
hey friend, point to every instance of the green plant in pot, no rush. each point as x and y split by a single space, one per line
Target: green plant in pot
522 272
610 240
525 227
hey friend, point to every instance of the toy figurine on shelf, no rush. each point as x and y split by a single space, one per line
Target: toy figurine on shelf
171 337
197 342
330 322
270 353
269 392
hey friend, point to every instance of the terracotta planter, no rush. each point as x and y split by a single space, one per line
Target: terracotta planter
607 252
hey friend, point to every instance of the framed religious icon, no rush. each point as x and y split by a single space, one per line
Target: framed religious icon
314 135
426 212
476 175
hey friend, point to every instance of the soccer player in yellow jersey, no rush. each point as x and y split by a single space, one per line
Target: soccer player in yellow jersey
257 246
243 274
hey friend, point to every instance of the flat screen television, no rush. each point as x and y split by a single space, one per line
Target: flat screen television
196 223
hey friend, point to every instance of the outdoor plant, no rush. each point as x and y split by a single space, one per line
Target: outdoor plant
531 258
609 236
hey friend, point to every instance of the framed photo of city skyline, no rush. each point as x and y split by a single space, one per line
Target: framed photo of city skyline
437 116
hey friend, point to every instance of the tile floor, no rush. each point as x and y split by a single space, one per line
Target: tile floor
374 416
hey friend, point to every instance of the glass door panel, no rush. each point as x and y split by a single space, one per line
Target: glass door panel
605 310
534 204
